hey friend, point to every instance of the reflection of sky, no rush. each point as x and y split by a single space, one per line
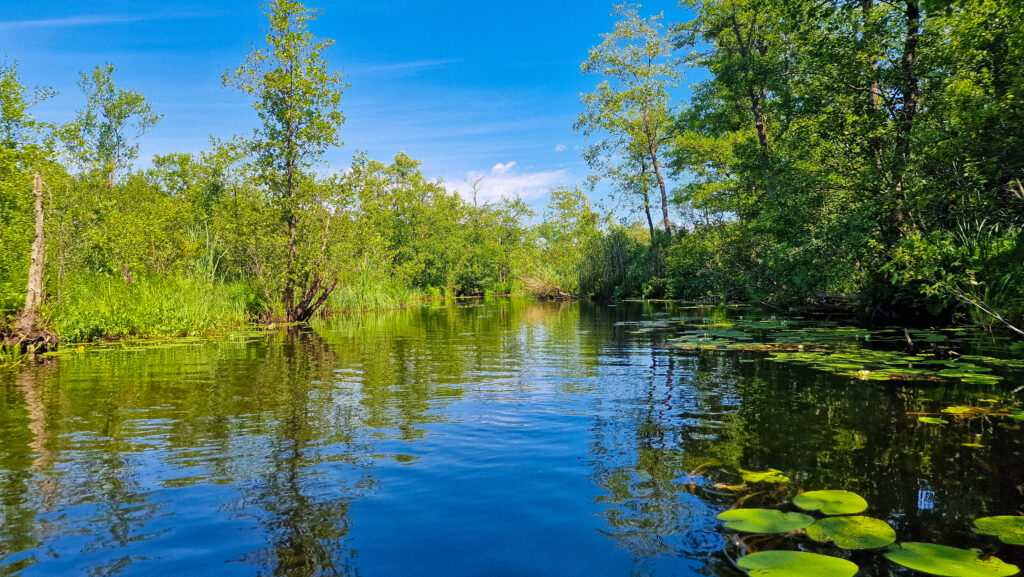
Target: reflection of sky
471 88
515 437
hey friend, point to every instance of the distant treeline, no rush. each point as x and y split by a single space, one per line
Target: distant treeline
836 148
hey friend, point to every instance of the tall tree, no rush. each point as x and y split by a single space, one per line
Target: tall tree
104 133
298 99
630 109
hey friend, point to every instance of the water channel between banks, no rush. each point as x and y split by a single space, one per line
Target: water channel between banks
497 437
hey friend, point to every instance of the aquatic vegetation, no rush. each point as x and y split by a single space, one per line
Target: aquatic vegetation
831 502
933 420
767 521
1008 528
948 561
853 532
769 476
964 411
796 564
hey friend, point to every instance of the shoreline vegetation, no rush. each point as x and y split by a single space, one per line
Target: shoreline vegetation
868 157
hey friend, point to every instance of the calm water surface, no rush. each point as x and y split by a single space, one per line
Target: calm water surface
505 437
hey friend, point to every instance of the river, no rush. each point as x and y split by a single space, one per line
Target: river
493 437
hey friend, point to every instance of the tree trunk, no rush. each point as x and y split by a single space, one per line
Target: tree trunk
755 97
647 211
646 197
908 111
755 108
29 317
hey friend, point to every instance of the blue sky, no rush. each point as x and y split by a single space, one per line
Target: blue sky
469 88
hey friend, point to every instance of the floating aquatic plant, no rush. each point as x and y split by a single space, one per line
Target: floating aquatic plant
796 564
769 476
831 502
853 532
1008 528
933 420
767 521
948 561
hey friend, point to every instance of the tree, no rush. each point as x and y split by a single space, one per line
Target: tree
630 108
298 99
23 151
103 135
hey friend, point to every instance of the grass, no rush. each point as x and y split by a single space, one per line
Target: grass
99 307
373 292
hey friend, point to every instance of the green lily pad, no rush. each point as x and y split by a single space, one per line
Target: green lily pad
769 476
796 564
966 411
933 420
831 502
1009 528
853 532
764 521
948 561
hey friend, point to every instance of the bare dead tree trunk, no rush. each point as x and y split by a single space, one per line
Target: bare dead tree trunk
29 317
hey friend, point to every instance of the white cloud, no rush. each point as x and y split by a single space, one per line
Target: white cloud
507 181
91 20
502 169
401 66
560 148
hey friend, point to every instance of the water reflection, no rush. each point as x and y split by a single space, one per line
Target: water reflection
498 437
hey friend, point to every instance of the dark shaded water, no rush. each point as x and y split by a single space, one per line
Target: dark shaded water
500 438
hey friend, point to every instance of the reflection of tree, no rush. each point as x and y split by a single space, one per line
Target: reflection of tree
642 464
305 521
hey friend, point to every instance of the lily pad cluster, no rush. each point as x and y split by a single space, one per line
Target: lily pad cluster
866 364
844 526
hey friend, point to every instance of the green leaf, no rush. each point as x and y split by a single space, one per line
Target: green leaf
831 502
853 532
1009 528
769 476
764 520
796 564
933 421
948 561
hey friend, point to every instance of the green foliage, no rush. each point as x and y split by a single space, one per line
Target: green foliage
866 149
103 137
629 112
94 307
